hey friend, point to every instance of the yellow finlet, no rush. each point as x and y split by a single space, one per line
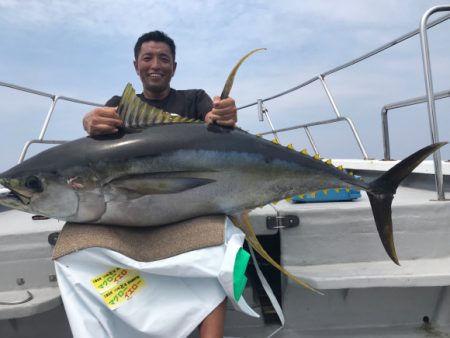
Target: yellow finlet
328 162
325 191
275 141
290 146
341 168
316 156
258 135
304 152
313 194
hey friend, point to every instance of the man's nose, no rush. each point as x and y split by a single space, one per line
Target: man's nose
155 63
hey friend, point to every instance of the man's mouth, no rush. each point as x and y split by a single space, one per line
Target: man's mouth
155 76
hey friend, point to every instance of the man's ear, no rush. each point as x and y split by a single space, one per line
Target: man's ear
135 64
174 68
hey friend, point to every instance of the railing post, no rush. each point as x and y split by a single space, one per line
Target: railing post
430 95
330 97
263 111
385 129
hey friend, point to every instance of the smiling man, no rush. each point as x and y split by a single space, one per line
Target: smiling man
155 65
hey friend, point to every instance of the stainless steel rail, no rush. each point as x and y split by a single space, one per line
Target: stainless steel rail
430 97
54 99
401 104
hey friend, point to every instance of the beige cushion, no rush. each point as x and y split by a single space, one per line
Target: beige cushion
144 244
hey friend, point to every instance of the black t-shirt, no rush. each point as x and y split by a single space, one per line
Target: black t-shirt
191 103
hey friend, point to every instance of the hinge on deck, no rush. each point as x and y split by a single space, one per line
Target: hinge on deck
281 222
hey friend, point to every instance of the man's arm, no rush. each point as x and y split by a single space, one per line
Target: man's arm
224 112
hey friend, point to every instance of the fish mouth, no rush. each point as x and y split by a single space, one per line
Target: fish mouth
14 195
21 196
14 200
14 190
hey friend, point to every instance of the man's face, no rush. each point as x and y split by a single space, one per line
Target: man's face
155 66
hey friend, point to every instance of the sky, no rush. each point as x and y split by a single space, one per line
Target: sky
84 50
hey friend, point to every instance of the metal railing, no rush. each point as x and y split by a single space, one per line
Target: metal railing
54 100
401 104
429 98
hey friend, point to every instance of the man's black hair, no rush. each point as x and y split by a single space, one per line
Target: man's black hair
156 36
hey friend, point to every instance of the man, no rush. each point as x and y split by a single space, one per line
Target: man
155 65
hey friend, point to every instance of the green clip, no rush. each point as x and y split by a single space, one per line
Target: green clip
239 278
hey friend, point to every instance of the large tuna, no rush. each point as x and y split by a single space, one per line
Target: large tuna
168 169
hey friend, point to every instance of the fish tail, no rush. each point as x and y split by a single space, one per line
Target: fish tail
243 223
381 193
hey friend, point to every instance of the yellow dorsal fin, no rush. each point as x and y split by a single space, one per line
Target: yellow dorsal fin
136 113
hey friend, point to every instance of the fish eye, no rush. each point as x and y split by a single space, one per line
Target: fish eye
34 183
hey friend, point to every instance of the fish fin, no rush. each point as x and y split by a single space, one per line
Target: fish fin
381 193
229 82
242 221
136 113
149 184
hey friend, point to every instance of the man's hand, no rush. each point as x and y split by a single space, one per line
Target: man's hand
224 112
102 120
